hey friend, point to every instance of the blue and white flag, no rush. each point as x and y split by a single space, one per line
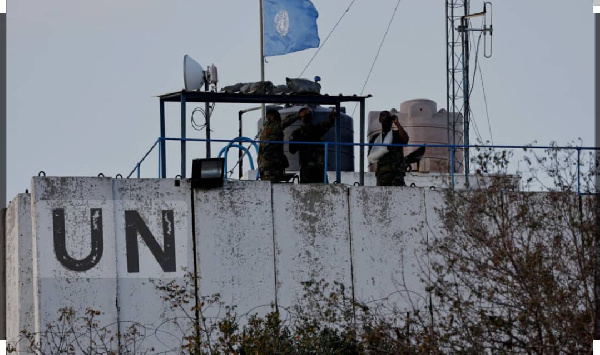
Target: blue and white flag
289 26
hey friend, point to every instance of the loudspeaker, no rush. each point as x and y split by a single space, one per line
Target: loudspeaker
208 173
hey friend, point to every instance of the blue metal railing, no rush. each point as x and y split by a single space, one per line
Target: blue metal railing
138 165
232 144
451 147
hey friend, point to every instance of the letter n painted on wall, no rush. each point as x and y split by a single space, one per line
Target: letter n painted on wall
135 226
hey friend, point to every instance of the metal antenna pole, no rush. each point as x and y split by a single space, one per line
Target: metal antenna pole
465 37
458 63
207 115
448 89
262 54
454 67
262 44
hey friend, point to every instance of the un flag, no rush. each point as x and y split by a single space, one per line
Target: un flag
289 26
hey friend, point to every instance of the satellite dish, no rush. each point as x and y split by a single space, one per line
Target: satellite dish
193 74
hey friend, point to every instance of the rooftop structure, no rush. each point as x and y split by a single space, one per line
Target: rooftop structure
184 97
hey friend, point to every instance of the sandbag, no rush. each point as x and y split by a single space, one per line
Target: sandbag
233 88
281 89
259 87
303 86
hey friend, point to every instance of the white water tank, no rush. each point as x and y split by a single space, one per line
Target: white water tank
426 125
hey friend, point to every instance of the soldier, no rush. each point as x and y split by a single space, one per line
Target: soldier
312 156
391 166
271 159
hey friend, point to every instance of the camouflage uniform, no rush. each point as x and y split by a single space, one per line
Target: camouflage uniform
391 168
271 159
312 156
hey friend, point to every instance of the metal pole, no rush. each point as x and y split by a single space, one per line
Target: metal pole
262 54
578 171
159 159
207 115
597 204
361 180
240 154
243 154
183 141
466 115
162 143
453 59
452 165
448 81
338 139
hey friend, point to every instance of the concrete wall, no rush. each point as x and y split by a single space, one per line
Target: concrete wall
387 226
75 218
254 244
152 212
234 228
312 237
19 272
2 273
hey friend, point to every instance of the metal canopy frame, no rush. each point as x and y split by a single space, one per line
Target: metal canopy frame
184 97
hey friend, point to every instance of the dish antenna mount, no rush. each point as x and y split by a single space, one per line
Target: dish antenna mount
195 77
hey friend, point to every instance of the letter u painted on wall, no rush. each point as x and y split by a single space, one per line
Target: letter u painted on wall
60 241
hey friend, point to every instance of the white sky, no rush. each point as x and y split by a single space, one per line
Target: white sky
82 75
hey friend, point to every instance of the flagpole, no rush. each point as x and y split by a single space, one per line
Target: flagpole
262 54
262 44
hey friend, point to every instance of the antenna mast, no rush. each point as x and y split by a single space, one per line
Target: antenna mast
457 67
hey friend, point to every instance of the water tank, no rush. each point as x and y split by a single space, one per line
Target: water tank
426 125
321 114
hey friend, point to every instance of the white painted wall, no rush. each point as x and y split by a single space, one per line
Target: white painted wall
19 263
137 298
54 285
387 227
312 237
255 243
234 229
